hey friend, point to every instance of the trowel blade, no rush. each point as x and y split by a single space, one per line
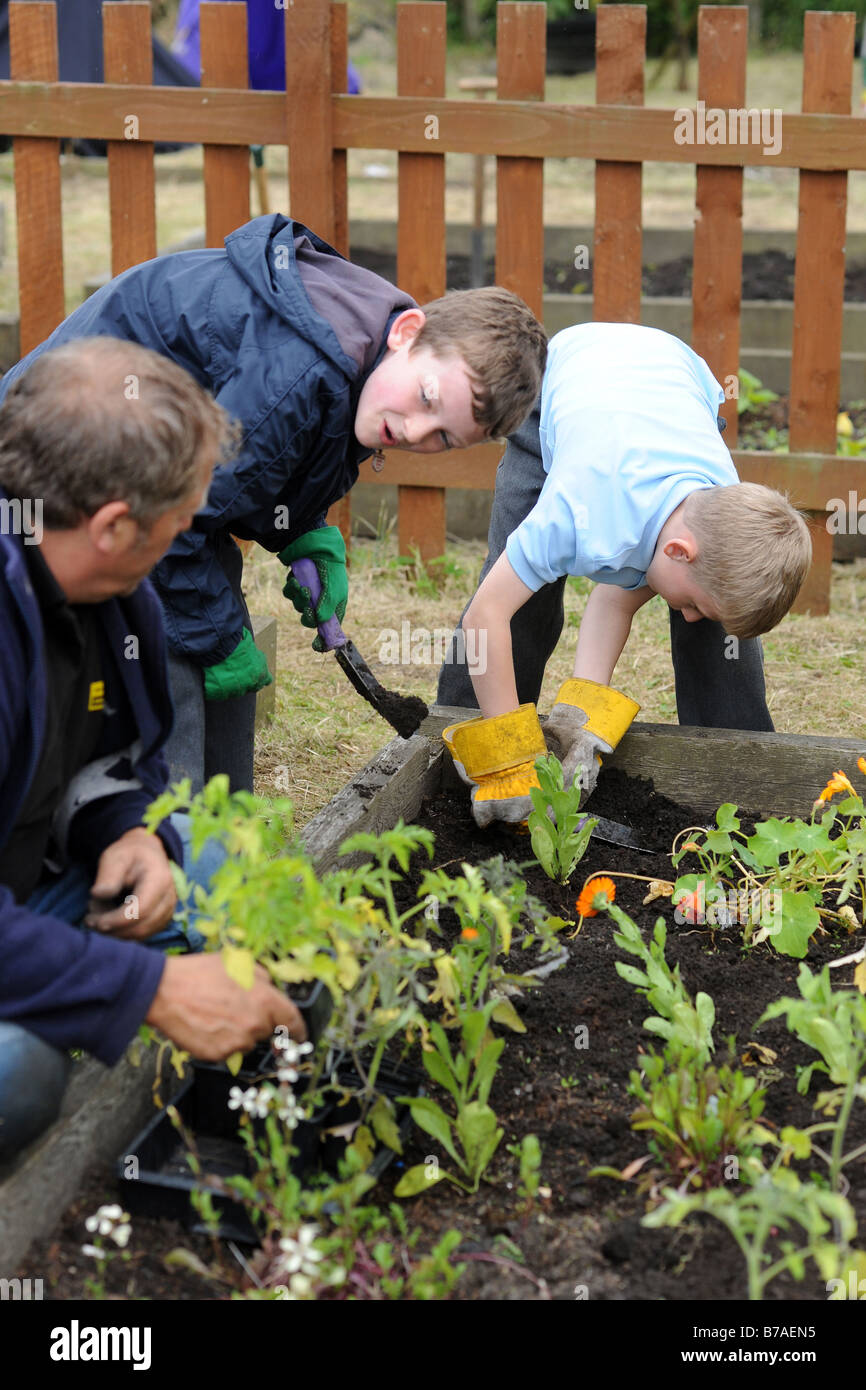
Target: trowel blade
612 833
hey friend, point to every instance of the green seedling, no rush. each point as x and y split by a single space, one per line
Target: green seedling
558 831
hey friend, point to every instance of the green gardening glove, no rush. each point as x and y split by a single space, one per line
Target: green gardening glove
244 671
327 549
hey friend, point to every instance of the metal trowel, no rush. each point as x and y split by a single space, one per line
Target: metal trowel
403 712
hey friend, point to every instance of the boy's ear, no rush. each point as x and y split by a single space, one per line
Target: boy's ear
683 547
406 328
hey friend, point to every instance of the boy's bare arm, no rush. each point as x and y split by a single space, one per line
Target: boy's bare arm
488 618
604 629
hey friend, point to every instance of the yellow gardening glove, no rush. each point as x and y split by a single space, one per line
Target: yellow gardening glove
496 758
587 720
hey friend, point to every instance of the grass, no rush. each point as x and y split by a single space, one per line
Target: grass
323 732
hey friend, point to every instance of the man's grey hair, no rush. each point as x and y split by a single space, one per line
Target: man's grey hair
103 420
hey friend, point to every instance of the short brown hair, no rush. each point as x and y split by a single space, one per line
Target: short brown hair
102 420
503 345
754 551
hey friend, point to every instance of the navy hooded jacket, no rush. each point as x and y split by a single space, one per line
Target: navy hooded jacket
284 332
78 988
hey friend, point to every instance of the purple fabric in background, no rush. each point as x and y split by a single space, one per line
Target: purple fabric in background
265 41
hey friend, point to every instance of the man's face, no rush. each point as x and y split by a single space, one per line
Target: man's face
417 401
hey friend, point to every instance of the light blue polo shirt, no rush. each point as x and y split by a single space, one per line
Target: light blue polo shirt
628 429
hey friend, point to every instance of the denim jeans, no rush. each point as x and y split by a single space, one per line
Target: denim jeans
33 1074
211 736
712 690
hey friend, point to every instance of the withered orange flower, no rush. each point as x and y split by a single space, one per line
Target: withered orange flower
838 783
590 891
469 933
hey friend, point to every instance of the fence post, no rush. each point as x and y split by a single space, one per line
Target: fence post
717 279
42 304
340 514
620 46
521 43
309 117
819 282
421 233
128 58
224 63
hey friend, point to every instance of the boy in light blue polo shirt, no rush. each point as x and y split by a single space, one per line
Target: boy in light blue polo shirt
642 497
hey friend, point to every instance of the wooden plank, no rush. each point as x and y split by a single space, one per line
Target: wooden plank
516 129
393 784
811 480
521 42
339 81
620 42
224 63
819 280
128 57
421 233
308 112
421 521
38 210
765 774
718 254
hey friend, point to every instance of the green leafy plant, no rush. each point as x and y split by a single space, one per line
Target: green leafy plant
558 831
700 1116
752 392
833 1023
760 1213
775 881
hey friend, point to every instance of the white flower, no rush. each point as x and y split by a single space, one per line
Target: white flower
292 1051
254 1102
290 1112
120 1235
287 1075
93 1251
238 1099
105 1221
300 1255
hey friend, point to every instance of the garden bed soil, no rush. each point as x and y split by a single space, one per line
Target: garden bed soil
585 1239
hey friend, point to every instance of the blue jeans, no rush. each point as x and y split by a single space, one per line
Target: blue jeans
712 691
33 1074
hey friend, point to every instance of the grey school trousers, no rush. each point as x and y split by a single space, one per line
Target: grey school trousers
713 690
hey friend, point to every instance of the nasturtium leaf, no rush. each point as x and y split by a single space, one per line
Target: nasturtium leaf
799 919
726 817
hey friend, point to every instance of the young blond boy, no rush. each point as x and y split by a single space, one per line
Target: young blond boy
641 496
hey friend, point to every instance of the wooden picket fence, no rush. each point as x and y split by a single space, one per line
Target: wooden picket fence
319 124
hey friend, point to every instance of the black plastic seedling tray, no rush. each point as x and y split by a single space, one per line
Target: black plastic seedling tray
159 1182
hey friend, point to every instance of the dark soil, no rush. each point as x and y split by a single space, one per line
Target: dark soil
766 275
587 1233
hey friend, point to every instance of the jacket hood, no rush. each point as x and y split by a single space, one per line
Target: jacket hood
342 309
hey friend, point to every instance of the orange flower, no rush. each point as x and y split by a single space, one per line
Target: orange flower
590 891
469 933
861 763
838 783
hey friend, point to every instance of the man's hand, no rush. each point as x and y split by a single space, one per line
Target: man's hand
137 867
205 1011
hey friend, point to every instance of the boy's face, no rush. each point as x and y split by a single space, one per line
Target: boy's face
416 401
670 574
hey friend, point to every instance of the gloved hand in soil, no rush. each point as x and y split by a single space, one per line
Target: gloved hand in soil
496 758
586 721
327 550
244 671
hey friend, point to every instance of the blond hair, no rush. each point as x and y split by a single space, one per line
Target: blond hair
754 551
503 345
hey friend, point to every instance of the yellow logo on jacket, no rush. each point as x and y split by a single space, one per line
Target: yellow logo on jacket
96 697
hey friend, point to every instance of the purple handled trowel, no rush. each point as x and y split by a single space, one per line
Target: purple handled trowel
403 712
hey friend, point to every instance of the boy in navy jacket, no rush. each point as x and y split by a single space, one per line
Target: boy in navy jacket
323 363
